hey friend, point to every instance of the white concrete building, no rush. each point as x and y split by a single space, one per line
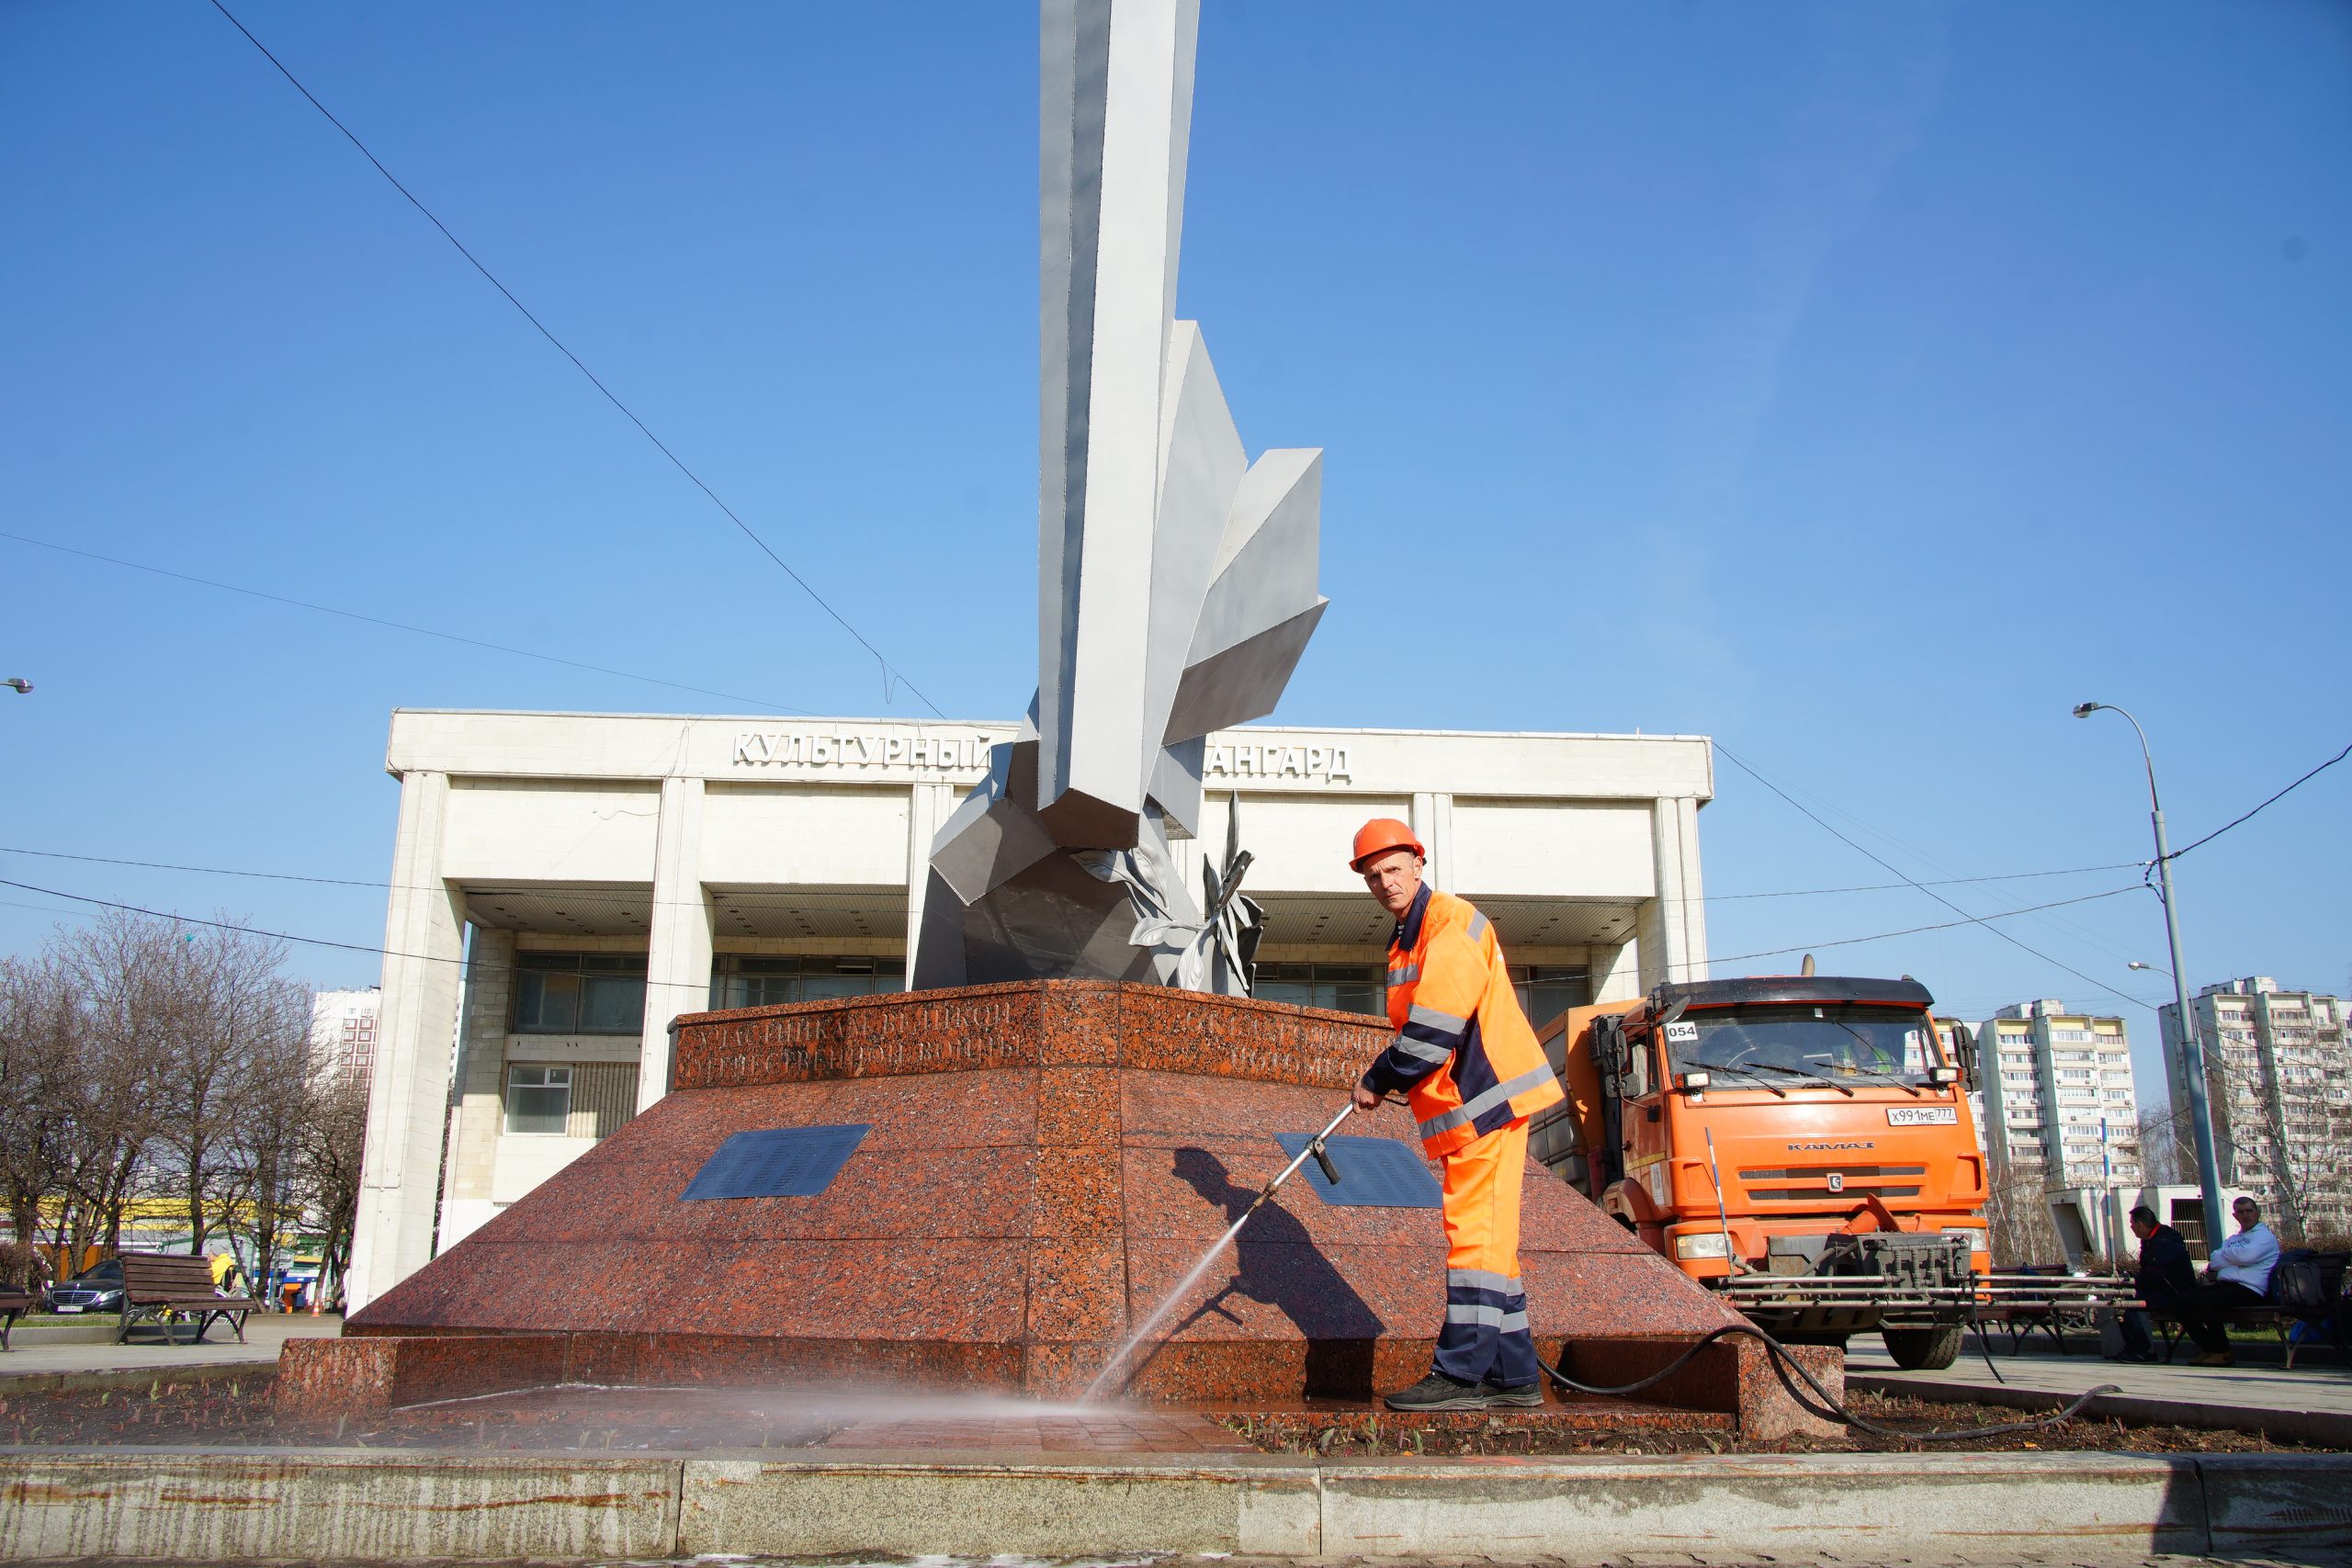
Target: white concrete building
564 885
2279 1081
343 1031
2058 1095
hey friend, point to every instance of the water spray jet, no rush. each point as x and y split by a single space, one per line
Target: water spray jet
1322 1157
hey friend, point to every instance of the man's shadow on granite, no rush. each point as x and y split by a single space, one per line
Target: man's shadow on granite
1276 1262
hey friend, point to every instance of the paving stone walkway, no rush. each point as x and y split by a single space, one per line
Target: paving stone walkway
265 1332
2319 1381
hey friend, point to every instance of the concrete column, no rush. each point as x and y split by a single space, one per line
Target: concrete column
408 1100
928 805
479 1111
1433 825
1615 974
677 958
1672 927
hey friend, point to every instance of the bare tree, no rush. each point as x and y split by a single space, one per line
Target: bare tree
35 1072
327 1165
2017 1218
141 1056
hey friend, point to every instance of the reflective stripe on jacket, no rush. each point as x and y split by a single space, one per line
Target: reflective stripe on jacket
1463 1051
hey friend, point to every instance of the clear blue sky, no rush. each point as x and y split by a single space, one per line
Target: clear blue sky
1862 384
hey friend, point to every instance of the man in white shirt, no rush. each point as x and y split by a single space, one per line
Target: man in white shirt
2238 1276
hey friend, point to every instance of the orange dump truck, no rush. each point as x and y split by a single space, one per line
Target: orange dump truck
1800 1143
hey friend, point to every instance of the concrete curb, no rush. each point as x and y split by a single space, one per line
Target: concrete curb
2329 1428
161 1504
27 1334
253 1374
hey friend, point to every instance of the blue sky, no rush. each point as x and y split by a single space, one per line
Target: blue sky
1862 384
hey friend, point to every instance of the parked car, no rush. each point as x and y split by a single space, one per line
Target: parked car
100 1290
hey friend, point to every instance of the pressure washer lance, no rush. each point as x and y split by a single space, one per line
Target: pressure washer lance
1330 1173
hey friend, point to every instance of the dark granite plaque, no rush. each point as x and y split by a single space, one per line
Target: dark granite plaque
1374 1173
777 1162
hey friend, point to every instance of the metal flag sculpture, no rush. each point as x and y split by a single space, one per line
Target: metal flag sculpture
1176 582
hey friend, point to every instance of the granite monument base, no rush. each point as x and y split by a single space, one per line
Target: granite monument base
1045 1162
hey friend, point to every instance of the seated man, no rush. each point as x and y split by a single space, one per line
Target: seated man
2238 1276
2166 1281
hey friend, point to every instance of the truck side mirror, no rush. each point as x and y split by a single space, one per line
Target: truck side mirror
1964 1045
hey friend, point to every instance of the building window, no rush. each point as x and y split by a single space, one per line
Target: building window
739 980
1342 987
579 993
538 1099
1545 991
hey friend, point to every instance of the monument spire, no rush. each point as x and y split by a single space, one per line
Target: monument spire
1176 578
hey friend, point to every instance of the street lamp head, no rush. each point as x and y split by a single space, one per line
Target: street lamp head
17 684
2083 710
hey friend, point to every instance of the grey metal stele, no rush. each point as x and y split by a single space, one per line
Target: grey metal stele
1176 577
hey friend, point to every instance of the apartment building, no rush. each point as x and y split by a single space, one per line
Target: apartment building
2279 1080
343 1031
2057 1095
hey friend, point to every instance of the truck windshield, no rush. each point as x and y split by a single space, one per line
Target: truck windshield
1832 1041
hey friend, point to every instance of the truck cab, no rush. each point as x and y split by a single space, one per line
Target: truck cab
1803 1144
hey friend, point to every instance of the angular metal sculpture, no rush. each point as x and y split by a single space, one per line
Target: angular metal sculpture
1176 578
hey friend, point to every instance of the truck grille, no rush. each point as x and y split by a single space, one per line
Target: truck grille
1858 1180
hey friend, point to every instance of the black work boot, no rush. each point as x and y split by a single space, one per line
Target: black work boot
1438 1391
1526 1396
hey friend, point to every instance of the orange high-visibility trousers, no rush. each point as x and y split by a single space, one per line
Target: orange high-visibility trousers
1486 1338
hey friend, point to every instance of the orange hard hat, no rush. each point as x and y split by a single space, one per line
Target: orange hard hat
1378 837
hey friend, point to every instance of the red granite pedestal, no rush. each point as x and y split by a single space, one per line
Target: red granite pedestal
1046 1161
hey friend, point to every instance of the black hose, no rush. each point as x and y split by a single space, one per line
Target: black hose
1828 1408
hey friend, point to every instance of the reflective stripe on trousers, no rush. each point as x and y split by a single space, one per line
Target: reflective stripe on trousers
1486 1339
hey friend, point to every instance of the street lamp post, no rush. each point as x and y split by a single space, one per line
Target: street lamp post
2192 1048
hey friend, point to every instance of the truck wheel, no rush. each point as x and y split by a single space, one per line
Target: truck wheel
1923 1349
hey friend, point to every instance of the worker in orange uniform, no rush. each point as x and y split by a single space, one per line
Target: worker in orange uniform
1473 1073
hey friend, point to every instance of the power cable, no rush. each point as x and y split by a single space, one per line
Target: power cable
889 674
1890 866
2236 820
1939 926
402 626
1947 882
304 940
2078 932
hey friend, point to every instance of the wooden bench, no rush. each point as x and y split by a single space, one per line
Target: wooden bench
161 1284
14 1304
2172 1328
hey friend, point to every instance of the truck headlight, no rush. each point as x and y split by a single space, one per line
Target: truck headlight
1705 1244
1978 1239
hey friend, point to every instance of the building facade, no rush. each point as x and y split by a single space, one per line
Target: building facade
564 885
2058 1096
2278 1082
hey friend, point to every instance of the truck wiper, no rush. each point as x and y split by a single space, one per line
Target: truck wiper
1761 1081
1802 1073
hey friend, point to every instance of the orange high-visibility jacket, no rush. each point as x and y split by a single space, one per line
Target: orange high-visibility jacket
1462 1048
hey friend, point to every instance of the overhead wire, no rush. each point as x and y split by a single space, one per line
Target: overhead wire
2273 799
1967 916
400 626
1946 881
890 673
1939 926
461 961
2059 923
